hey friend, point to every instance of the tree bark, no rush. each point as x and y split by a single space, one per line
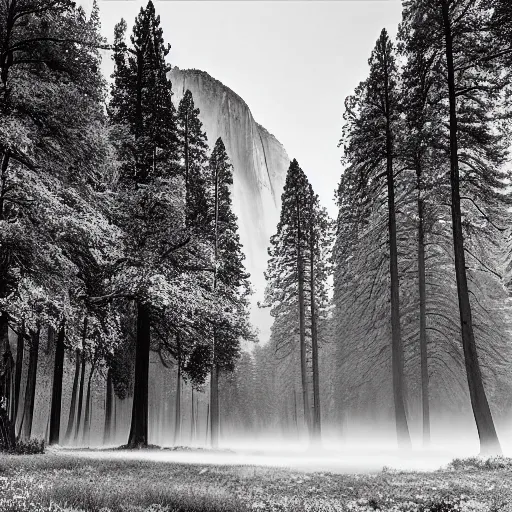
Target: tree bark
30 390
72 407
88 406
489 443
7 436
177 410
207 424
214 407
192 419
139 424
214 378
302 322
80 394
108 409
314 328
58 372
20 347
423 314
113 429
402 429
295 419
5 362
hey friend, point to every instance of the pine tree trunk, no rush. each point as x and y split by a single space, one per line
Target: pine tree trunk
295 419
402 429
113 430
214 407
314 331
489 443
80 393
88 405
5 362
214 377
58 372
207 424
139 424
30 390
302 325
20 347
177 410
108 409
192 419
7 436
423 316
72 407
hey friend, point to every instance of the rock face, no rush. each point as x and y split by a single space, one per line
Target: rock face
260 163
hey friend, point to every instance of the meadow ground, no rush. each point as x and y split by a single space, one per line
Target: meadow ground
60 482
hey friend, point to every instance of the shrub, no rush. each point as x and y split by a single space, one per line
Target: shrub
30 447
491 463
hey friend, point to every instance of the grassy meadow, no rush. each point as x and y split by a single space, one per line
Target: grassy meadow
57 483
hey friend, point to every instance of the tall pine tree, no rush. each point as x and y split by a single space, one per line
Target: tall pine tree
230 280
371 118
144 124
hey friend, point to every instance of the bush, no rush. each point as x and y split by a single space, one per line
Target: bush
481 463
30 447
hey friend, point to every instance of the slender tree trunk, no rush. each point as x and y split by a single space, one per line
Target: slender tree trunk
489 443
302 323
214 407
5 362
88 407
113 430
317 432
139 424
58 372
108 409
30 390
20 347
214 378
177 410
72 408
423 314
295 411
402 429
192 419
80 394
207 424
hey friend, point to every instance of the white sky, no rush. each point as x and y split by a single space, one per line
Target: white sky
293 62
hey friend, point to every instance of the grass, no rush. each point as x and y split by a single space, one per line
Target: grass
57 483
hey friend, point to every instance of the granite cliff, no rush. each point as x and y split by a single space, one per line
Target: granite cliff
260 163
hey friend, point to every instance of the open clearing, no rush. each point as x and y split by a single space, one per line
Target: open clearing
102 481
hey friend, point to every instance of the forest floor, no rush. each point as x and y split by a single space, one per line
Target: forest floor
62 481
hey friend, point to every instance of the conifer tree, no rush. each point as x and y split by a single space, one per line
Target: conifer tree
320 243
144 123
194 159
419 154
371 118
296 284
286 267
230 281
193 153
